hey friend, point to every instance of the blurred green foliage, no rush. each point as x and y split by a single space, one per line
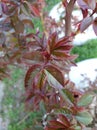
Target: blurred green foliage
86 51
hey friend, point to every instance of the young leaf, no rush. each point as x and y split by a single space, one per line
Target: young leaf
31 73
62 118
84 118
33 57
57 124
52 41
60 54
85 100
62 42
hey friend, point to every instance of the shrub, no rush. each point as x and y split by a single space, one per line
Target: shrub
46 57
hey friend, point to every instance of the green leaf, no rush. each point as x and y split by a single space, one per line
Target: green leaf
84 117
85 100
42 107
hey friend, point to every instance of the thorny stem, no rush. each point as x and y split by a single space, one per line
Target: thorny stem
68 16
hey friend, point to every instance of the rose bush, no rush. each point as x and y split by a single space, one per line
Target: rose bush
47 59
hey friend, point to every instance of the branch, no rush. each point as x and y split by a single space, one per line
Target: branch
69 9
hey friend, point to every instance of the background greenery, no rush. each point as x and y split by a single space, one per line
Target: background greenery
86 51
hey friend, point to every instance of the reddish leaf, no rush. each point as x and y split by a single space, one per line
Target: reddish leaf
61 54
60 123
57 124
86 22
56 73
40 80
59 48
50 128
84 12
31 73
35 10
33 57
28 22
64 120
52 41
62 42
66 48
